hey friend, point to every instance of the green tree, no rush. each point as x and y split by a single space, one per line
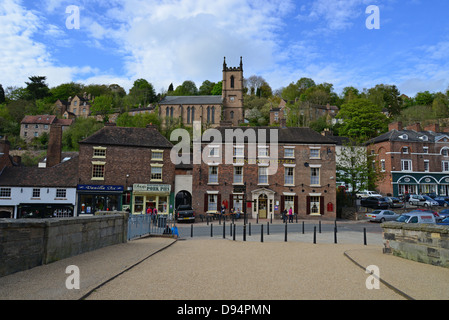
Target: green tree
142 93
103 105
206 88
66 90
424 98
188 88
217 89
81 129
2 94
440 106
362 120
386 96
37 88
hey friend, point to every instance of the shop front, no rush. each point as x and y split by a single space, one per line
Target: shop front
93 198
151 196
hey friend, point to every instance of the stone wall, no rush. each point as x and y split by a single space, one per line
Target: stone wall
27 243
425 243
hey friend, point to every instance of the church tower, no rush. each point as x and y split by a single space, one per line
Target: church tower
233 93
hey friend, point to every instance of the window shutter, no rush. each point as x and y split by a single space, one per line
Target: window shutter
219 204
282 203
295 205
308 205
322 205
205 202
231 201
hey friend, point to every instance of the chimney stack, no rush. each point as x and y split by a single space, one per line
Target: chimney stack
54 155
395 126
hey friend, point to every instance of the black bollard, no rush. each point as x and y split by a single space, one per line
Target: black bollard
244 232
314 234
211 230
224 230
249 229
303 227
335 225
230 229
261 233
285 237
319 227
191 231
268 228
335 235
364 236
233 234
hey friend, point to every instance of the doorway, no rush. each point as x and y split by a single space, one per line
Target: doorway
262 208
183 198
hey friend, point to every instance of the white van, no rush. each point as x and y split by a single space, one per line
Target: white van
417 218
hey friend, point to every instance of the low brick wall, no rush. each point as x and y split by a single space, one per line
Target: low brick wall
425 243
27 243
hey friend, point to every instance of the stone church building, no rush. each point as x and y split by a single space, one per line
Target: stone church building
209 110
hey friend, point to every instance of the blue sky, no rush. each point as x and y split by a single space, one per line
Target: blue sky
169 41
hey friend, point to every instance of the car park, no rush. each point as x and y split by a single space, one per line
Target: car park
375 203
382 216
416 200
429 202
423 217
394 202
366 194
442 201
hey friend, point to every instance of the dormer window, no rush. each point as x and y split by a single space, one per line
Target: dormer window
424 138
403 137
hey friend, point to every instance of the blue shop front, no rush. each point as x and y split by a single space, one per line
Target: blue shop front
93 198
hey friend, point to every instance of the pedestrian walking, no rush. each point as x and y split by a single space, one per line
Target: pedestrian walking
290 215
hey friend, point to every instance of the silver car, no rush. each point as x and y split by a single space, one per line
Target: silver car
382 216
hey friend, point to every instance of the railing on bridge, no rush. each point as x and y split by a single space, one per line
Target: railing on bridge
144 224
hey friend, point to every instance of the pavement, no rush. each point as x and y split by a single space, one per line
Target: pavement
158 268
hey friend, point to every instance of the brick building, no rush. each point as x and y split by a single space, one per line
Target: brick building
413 160
121 168
285 167
209 110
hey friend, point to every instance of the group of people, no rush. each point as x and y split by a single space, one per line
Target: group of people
235 212
288 213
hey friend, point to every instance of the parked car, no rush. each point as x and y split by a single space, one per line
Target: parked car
433 195
394 202
375 203
366 194
417 218
185 213
382 216
435 214
445 222
442 201
416 200
444 213
429 202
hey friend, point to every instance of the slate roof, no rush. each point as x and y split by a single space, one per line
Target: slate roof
189 100
413 136
285 135
134 137
64 175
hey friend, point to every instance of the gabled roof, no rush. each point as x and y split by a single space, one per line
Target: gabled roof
39 119
133 137
189 100
64 175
